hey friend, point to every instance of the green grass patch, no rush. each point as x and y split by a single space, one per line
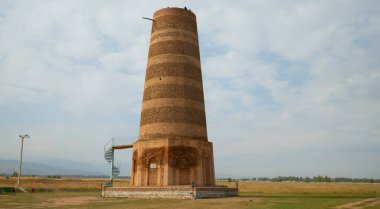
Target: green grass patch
71 199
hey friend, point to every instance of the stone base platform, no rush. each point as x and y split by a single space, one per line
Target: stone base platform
170 192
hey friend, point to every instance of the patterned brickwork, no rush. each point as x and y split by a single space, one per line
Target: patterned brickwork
174 34
178 58
175 157
168 69
173 144
170 192
173 91
160 135
174 47
152 172
174 11
181 102
174 22
178 153
173 114
173 80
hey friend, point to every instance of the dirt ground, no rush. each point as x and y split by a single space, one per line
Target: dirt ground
64 201
370 202
85 193
93 200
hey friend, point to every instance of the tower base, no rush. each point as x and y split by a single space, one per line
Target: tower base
161 162
170 192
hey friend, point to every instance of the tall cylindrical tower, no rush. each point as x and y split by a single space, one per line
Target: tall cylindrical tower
173 103
173 148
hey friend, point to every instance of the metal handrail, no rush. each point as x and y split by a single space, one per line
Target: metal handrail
120 141
108 145
116 164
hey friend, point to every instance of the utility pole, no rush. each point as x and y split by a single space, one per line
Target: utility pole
26 136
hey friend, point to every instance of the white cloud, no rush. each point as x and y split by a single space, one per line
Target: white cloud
289 76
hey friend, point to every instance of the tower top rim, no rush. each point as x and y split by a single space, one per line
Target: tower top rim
173 9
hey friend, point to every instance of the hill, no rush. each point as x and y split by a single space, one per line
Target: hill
64 169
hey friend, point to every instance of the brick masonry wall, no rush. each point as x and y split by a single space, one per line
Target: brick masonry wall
170 192
173 91
178 35
173 114
150 194
172 69
173 72
175 21
174 47
173 147
209 192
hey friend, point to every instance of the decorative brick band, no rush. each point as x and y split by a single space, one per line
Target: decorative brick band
173 91
181 102
175 21
174 47
173 114
173 80
178 58
172 130
158 135
173 38
168 69
174 34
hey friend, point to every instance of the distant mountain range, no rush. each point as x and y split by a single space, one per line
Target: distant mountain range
52 166
57 167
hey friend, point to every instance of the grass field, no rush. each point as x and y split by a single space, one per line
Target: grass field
85 193
61 183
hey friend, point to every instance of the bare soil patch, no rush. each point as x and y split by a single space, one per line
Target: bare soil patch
360 204
63 201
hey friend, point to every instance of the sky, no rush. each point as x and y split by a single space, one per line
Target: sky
291 87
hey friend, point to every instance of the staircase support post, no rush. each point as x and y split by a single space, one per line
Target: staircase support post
112 165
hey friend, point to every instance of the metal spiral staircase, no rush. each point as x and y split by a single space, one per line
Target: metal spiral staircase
109 155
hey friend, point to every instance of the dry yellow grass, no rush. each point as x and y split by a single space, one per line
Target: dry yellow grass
62 183
265 187
251 187
84 193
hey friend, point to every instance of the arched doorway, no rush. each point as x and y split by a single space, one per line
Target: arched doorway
152 172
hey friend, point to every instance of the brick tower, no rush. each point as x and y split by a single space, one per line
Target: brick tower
173 148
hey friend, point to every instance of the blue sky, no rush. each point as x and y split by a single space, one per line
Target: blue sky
291 87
